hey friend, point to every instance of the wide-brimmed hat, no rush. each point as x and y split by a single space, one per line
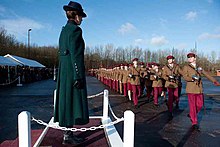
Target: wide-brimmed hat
74 6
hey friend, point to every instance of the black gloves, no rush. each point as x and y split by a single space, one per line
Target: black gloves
78 84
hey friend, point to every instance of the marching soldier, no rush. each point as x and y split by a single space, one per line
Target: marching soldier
125 73
142 79
120 78
129 83
192 74
157 84
135 81
148 82
171 72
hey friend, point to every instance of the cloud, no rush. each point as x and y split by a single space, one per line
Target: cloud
192 15
206 36
127 28
19 26
140 42
159 41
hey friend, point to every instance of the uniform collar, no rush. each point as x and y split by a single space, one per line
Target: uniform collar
71 21
193 64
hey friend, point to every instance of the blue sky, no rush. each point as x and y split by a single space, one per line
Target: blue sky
149 24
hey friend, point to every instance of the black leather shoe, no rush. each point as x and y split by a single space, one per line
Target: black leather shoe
177 106
157 105
196 127
170 115
70 138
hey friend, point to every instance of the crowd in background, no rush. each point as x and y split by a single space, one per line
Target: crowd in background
10 74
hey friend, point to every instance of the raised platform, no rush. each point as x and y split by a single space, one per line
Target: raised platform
54 137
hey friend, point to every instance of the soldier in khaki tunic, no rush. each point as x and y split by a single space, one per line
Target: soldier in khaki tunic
148 82
142 79
192 74
125 73
156 77
171 72
129 83
134 74
120 78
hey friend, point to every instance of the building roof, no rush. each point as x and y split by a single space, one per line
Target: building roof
6 62
24 61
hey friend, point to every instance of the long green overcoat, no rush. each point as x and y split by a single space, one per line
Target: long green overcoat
71 105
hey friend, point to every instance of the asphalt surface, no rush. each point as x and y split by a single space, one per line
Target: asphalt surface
152 126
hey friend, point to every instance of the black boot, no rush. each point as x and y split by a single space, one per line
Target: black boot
69 138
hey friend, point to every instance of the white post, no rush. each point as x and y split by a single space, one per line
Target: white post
19 81
105 105
24 129
128 128
54 97
54 73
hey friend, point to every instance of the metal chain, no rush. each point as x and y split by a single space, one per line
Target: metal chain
77 129
3 84
82 129
92 96
113 114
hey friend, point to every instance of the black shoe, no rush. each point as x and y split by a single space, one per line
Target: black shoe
136 106
69 138
177 106
170 115
157 105
196 127
73 140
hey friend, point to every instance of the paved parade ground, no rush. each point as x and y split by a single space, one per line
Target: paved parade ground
152 126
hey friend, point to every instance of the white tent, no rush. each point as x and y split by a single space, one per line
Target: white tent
6 62
24 61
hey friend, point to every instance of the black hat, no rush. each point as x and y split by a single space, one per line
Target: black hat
74 6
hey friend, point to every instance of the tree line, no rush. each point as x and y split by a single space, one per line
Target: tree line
105 55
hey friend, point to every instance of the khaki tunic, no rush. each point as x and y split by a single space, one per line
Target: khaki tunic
171 71
193 86
125 76
157 82
135 80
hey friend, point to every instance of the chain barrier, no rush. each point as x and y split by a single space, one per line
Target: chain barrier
4 84
77 129
55 126
113 114
92 96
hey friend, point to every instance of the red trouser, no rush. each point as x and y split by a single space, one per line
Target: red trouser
196 102
129 86
136 90
157 92
172 96
116 85
125 89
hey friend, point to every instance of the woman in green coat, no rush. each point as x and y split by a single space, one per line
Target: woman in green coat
71 106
